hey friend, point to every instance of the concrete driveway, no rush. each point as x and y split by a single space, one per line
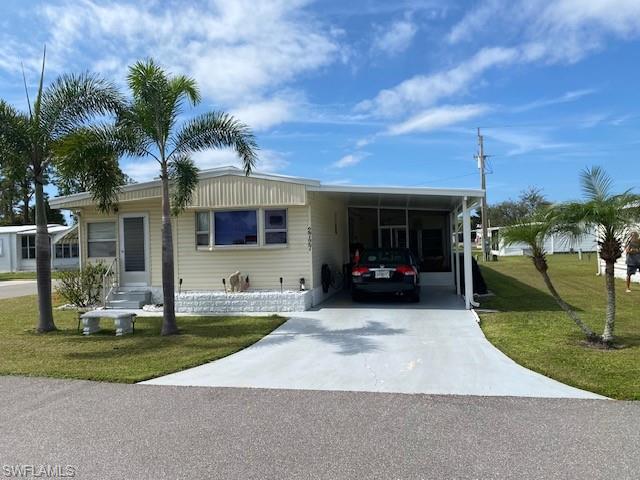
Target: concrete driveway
434 347
17 288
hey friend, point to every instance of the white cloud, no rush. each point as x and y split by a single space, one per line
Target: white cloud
565 98
436 118
524 141
235 50
564 30
396 38
533 31
350 160
425 90
474 20
268 161
141 170
264 114
363 142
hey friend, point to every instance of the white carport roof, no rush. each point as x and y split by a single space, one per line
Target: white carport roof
446 199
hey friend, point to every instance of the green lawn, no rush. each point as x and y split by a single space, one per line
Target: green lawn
5 276
103 356
531 329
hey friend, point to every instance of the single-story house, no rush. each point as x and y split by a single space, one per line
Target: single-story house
18 248
556 243
277 230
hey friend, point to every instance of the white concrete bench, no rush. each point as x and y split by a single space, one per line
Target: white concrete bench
123 320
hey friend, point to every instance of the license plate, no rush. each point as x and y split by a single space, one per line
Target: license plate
383 274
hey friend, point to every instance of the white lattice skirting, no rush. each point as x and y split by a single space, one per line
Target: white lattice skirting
257 301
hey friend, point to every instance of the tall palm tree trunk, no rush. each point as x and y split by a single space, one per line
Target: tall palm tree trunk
26 197
43 263
591 336
610 320
169 326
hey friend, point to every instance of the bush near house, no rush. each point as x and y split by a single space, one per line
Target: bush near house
532 329
82 288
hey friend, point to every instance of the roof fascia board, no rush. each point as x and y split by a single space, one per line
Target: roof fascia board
445 192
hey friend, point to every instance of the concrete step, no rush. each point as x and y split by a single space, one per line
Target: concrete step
142 295
125 304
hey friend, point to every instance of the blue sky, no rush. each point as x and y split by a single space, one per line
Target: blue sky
385 93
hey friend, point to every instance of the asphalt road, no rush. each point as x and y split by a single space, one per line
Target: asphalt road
109 431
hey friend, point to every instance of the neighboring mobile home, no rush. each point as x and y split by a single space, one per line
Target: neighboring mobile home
18 248
553 244
275 229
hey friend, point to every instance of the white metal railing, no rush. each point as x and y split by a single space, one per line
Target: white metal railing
109 281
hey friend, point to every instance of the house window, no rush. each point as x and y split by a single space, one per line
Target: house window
67 250
275 227
236 227
28 247
202 228
101 239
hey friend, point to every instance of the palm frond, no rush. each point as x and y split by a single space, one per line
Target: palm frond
596 184
35 116
183 86
144 78
217 130
72 100
91 154
15 145
531 233
158 99
183 175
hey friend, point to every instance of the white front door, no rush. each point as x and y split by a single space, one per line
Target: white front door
134 249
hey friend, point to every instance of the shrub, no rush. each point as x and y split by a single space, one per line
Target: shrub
82 288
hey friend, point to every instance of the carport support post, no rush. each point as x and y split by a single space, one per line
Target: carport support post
466 236
457 244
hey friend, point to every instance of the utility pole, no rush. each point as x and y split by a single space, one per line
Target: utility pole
481 157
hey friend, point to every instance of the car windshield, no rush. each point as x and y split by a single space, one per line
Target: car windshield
383 256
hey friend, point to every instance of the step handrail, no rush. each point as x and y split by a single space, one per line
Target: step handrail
109 281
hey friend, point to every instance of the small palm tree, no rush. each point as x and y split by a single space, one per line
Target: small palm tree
613 216
149 127
32 139
533 232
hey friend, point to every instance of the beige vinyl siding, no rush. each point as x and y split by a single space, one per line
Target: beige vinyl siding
202 269
327 215
152 208
234 191
217 192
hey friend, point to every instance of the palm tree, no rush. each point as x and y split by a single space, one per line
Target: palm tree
34 137
149 128
613 215
533 232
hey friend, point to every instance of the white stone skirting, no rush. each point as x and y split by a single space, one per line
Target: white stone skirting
255 301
